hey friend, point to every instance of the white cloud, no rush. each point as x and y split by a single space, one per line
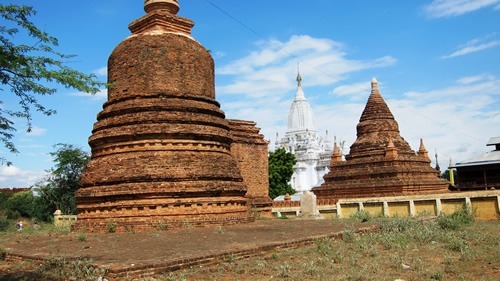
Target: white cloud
472 47
36 131
449 8
354 90
12 176
470 79
103 71
268 70
101 95
458 120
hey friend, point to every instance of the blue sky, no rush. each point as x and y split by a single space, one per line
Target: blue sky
437 63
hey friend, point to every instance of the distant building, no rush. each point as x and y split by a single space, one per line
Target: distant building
313 152
481 172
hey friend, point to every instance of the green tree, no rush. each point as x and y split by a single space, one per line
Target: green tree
31 69
58 189
446 175
280 172
21 202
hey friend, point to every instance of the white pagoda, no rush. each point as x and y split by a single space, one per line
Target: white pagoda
312 151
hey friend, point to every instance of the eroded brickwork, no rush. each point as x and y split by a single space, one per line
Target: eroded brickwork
161 145
251 151
380 161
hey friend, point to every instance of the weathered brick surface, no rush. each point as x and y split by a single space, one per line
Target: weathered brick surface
251 151
161 146
380 161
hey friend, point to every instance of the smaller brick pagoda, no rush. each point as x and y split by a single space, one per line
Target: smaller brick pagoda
380 161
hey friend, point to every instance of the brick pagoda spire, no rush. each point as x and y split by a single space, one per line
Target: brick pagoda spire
380 161
161 145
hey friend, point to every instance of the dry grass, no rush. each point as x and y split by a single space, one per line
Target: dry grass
448 248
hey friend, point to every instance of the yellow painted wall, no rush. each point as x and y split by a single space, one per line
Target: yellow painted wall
399 209
348 209
450 206
425 208
485 208
375 209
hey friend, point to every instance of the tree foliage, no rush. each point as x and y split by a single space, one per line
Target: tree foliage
30 69
21 202
281 165
446 175
58 190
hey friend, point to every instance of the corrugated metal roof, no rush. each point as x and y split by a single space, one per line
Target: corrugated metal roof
494 141
490 157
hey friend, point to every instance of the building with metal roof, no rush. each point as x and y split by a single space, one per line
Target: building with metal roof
482 172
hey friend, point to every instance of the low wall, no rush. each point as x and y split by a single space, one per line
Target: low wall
484 204
63 220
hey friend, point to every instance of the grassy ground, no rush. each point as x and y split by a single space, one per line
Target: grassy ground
447 248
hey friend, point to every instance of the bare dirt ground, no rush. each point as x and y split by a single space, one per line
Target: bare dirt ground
126 251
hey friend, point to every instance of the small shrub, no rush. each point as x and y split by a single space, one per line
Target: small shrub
324 246
284 270
456 220
349 235
171 276
12 214
111 227
82 237
361 215
397 225
162 225
458 244
438 275
220 230
4 224
260 265
230 258
2 254
310 268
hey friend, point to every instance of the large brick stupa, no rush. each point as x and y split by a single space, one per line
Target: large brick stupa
380 161
161 146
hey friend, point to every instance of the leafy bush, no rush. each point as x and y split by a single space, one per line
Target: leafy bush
12 214
4 224
361 215
2 254
456 220
111 227
22 203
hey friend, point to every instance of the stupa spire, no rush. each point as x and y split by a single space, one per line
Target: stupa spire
336 156
391 151
437 162
299 78
299 95
161 17
171 6
422 151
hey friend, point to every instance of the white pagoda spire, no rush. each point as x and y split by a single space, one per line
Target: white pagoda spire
300 116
